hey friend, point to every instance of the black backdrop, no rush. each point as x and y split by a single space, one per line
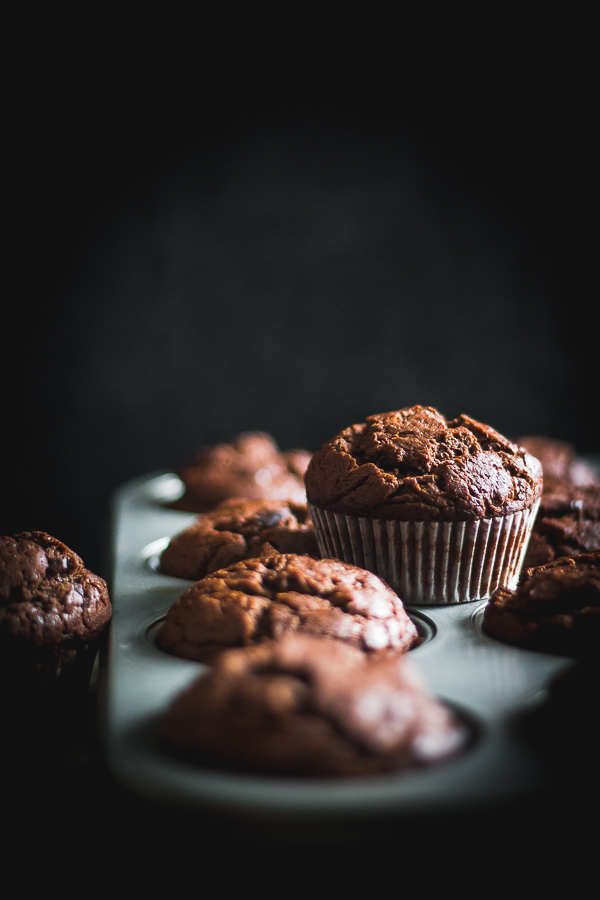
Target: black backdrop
275 224
199 248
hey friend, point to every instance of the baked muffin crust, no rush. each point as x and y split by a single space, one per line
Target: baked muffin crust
310 706
412 464
555 607
567 523
267 597
559 459
49 602
251 466
237 529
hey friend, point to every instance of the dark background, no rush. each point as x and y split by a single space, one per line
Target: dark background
284 224
287 240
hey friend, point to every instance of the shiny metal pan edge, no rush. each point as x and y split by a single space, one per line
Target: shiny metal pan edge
487 682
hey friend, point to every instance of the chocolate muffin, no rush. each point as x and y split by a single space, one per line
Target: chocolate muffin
563 734
567 523
310 706
266 597
555 608
51 606
559 459
442 510
251 467
237 529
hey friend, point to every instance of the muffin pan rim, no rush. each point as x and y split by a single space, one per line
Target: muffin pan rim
139 596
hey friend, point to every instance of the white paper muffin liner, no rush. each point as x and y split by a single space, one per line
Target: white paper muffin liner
430 563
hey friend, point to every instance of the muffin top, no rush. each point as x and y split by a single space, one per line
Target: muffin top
47 596
414 465
237 529
567 523
555 607
266 597
251 466
310 706
559 460
562 498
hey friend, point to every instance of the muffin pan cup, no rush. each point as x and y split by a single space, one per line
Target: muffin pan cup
488 683
430 563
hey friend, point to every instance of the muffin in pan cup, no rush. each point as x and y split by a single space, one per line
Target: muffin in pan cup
567 523
559 460
267 597
235 530
310 706
440 510
555 608
250 467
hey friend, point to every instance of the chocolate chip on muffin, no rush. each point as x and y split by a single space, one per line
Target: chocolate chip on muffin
310 706
235 530
50 604
250 467
265 598
555 607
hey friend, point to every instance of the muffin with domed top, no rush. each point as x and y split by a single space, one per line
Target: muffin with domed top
554 608
442 510
235 530
251 467
311 706
52 609
267 597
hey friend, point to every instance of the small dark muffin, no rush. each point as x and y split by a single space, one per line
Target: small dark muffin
310 706
567 523
559 459
237 529
568 519
251 467
555 608
51 606
265 598
564 732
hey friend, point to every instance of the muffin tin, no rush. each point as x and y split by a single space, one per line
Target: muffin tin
488 683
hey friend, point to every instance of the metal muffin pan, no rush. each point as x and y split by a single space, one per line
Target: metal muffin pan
487 682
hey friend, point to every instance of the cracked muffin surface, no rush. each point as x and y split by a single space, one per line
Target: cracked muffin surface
414 465
50 604
235 530
251 467
266 597
567 522
559 459
310 706
555 607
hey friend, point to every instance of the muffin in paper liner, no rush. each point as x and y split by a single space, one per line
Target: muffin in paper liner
430 563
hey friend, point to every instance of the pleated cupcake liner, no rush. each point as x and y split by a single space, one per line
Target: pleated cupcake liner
430 563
